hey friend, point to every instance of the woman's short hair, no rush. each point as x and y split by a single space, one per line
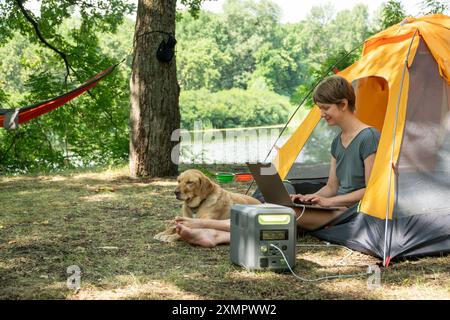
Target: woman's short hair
333 90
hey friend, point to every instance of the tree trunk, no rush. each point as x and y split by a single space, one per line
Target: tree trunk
155 112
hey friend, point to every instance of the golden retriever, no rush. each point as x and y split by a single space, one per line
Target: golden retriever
204 198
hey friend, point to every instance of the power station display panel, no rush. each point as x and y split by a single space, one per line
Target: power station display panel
273 234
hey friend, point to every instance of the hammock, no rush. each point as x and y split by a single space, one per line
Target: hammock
11 118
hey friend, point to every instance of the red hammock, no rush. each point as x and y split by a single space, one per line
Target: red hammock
10 118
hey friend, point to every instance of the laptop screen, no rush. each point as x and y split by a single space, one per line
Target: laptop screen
270 183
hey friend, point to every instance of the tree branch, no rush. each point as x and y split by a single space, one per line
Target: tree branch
41 38
13 142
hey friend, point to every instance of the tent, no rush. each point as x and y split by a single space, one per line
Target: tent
402 87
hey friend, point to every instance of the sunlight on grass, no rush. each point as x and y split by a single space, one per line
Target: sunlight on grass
16 179
110 174
164 183
99 197
133 290
252 276
53 178
24 240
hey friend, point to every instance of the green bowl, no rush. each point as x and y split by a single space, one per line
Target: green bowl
224 177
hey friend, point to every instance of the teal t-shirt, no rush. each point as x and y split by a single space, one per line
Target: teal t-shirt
350 160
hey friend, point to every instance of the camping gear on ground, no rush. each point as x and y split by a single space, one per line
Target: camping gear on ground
224 177
243 177
256 232
402 88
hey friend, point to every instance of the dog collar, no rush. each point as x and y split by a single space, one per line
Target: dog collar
196 208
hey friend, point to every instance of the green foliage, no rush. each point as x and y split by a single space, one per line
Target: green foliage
90 130
3 96
341 41
278 67
248 44
17 60
236 69
201 64
93 128
193 6
233 108
434 6
392 13
233 38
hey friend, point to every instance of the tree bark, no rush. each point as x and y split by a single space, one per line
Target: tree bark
155 112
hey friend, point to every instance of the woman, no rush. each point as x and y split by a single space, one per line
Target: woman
352 156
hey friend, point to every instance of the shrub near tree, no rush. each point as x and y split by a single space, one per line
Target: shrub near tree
233 108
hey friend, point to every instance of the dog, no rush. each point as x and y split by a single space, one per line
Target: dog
200 195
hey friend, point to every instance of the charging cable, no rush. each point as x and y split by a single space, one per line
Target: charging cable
340 276
301 214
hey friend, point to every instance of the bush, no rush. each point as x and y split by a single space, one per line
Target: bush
233 108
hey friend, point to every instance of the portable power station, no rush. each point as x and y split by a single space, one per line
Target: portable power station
254 228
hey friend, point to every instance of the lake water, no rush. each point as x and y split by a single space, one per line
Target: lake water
237 146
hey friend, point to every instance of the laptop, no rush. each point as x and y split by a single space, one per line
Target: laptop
272 188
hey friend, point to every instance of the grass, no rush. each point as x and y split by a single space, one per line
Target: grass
104 221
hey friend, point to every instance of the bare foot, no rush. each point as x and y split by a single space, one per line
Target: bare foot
190 222
199 237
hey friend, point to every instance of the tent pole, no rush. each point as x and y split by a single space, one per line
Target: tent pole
386 259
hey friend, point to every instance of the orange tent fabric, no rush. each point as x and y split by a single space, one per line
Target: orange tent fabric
382 74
